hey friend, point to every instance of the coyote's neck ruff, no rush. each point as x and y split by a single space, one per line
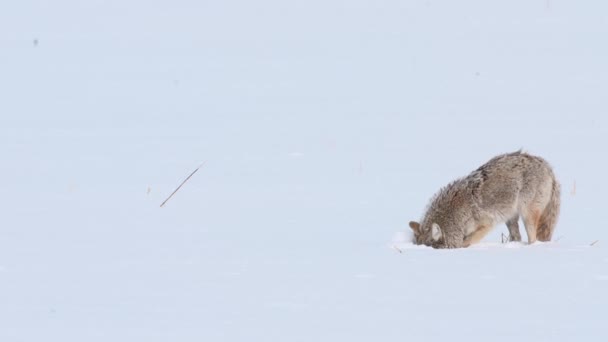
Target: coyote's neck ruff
504 189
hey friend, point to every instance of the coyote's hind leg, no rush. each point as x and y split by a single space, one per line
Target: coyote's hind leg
531 219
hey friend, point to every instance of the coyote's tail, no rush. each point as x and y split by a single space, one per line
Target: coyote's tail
548 219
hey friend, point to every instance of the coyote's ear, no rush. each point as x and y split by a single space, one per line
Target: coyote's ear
415 226
436 232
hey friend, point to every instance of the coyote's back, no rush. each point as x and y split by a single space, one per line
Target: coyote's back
504 189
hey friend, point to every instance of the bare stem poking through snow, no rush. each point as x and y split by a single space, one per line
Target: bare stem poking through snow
185 180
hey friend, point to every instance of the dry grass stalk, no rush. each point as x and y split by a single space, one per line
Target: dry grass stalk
573 191
184 182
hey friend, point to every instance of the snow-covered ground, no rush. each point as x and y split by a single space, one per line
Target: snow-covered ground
325 126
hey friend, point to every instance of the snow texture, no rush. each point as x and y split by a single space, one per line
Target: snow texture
325 126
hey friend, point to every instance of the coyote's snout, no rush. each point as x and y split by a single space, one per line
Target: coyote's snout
504 189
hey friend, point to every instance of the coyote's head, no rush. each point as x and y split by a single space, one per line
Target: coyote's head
427 234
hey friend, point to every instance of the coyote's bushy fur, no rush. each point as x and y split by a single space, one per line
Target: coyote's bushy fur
507 187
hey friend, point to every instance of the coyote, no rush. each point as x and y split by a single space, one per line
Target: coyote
505 188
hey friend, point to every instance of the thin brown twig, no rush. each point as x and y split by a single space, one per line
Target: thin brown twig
184 182
397 249
594 242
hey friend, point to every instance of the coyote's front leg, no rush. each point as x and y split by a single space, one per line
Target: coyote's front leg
477 235
513 226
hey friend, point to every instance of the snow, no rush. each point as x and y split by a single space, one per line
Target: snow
325 126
